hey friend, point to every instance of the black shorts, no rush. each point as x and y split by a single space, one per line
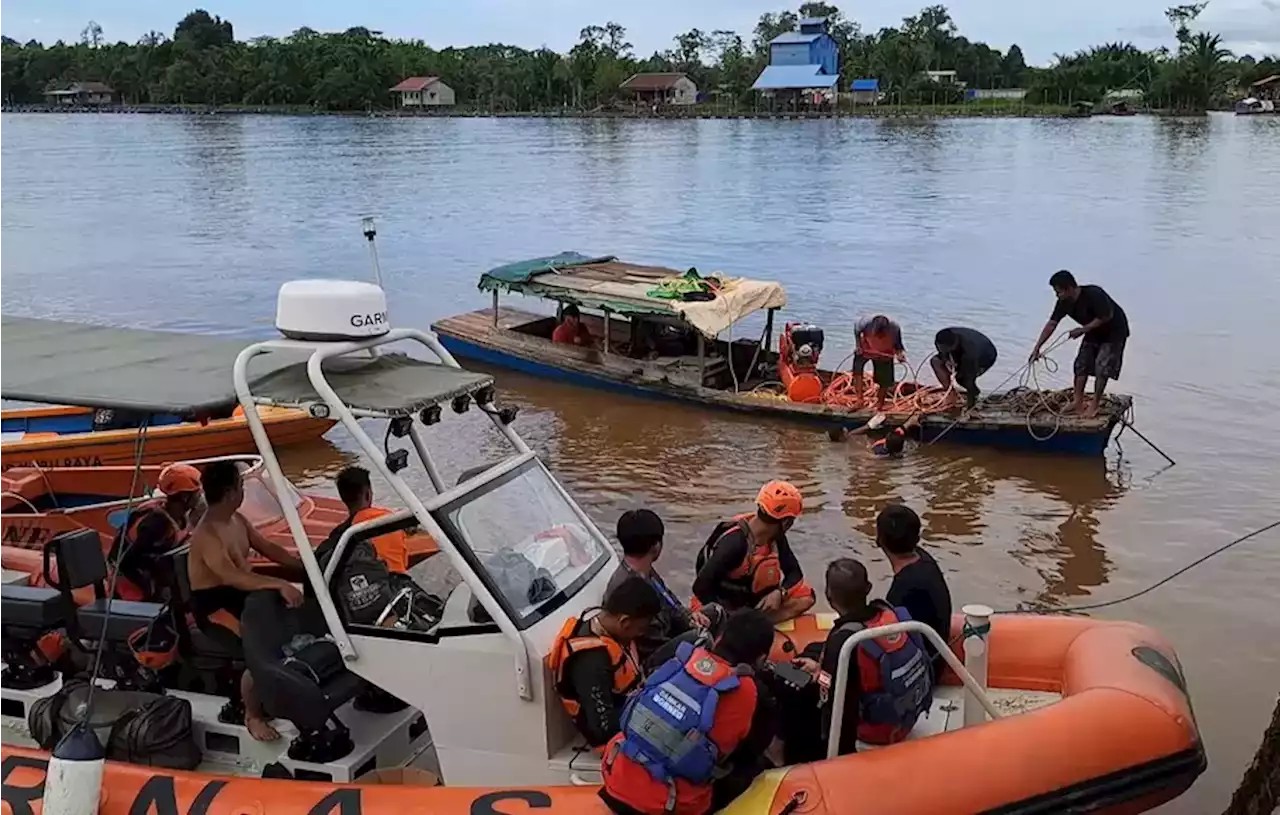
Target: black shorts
1102 359
881 369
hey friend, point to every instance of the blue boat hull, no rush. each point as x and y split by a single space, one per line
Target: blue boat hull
1073 442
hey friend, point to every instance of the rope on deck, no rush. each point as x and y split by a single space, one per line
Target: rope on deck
1259 790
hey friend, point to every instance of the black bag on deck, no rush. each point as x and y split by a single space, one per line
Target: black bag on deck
141 728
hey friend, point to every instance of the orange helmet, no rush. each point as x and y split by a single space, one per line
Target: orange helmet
176 478
780 499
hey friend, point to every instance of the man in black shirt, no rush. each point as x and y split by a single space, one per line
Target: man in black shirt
640 531
1104 326
918 584
967 352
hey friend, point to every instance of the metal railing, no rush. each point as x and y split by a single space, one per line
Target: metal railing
841 690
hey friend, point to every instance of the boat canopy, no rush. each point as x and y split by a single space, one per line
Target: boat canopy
54 362
626 288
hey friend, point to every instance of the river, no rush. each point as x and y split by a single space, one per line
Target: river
191 223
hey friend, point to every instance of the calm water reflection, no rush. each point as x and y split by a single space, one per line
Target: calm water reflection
192 223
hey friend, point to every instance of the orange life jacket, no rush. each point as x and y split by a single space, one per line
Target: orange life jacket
760 572
135 581
393 547
625 661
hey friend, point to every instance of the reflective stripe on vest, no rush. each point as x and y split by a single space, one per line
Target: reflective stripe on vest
666 726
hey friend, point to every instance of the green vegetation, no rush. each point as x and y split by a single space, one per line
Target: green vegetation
203 64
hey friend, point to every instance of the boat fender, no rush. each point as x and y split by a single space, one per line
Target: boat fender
73 781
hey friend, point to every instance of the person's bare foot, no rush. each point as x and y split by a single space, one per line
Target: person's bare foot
261 729
1091 411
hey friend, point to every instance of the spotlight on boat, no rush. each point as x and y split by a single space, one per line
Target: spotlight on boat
397 460
508 414
430 415
318 411
367 227
485 395
461 403
401 425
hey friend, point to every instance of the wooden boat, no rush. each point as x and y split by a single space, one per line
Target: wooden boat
70 436
695 366
482 709
38 503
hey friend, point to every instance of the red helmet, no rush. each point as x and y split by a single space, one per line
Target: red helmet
780 500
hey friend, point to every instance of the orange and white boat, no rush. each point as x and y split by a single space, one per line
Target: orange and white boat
38 504
70 436
1040 715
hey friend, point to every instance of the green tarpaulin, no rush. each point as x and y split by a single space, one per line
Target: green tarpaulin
525 270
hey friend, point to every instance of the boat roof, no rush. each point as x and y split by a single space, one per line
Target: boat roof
54 362
606 283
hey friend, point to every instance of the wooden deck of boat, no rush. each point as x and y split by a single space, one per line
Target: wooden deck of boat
679 378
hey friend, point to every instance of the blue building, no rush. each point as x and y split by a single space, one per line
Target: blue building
808 59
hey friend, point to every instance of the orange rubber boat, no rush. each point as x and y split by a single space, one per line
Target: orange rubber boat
68 436
1113 733
37 504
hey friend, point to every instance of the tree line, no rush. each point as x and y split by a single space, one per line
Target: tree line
203 64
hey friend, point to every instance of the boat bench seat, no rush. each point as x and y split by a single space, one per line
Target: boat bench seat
35 608
122 618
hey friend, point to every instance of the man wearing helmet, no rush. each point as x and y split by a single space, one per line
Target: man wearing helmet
153 529
747 561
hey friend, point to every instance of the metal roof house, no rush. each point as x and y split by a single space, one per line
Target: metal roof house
808 59
865 91
82 93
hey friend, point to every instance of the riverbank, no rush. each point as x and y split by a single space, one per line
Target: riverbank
969 110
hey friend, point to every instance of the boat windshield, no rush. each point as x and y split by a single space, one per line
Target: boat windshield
261 503
525 541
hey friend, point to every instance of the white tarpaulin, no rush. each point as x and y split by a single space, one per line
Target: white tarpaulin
739 299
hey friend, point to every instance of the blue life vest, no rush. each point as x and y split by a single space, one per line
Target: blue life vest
666 724
895 674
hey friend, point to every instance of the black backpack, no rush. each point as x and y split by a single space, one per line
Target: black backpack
141 728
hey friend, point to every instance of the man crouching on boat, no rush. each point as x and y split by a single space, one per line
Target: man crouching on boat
571 330
221 577
747 561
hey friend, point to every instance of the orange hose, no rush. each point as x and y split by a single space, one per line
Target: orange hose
850 392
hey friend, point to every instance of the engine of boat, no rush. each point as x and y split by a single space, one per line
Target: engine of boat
801 345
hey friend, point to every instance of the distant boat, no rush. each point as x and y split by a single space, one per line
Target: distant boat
1252 106
684 359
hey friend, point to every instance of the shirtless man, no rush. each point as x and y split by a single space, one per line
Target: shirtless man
221 577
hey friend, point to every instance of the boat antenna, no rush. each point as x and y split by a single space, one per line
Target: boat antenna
370 232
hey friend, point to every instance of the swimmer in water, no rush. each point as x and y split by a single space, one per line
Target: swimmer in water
892 445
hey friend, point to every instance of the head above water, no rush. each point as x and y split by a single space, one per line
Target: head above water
570 314
354 488
223 486
895 442
640 532
1064 285
848 585
746 639
629 608
898 530
778 504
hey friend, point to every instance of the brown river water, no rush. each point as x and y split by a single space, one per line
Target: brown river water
192 223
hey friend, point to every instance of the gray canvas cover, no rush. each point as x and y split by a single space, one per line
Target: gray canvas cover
54 362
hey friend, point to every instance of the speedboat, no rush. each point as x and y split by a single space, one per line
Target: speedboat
1075 714
37 504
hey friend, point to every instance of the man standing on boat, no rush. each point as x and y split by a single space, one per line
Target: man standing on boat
880 341
1104 327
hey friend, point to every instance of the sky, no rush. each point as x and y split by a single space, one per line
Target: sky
1041 27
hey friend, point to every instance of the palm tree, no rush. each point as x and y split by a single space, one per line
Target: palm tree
1205 62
